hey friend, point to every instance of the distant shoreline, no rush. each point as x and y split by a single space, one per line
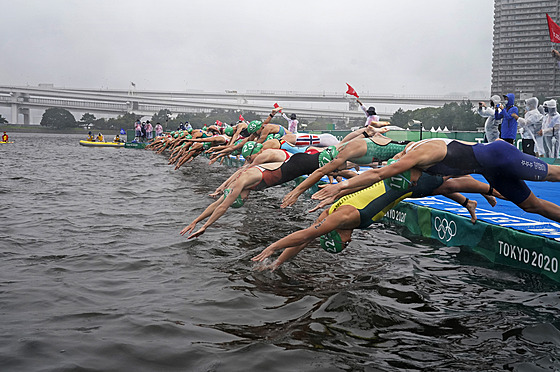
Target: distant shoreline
10 128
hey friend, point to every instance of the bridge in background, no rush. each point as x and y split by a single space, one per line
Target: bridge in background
117 102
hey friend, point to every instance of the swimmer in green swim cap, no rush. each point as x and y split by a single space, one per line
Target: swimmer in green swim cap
251 148
359 210
254 177
360 151
256 131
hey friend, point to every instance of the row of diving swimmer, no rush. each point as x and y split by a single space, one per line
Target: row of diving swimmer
397 170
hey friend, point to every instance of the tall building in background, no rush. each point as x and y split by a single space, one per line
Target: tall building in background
521 58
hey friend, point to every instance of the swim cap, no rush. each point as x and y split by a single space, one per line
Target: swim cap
229 130
206 145
238 203
332 242
399 182
237 151
188 136
273 136
254 126
205 128
251 148
327 155
189 130
176 135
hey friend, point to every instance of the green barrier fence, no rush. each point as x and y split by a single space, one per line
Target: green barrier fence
500 245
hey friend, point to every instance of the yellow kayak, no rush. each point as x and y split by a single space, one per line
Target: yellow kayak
6 141
101 144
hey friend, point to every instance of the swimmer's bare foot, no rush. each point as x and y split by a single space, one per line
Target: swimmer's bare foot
490 199
471 207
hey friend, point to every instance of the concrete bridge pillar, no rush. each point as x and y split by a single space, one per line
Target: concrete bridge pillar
26 115
16 109
14 112
25 111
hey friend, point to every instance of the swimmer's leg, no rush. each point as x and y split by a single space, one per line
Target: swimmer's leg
469 184
540 206
470 205
553 174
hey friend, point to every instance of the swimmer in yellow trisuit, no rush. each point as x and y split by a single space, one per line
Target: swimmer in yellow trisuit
335 225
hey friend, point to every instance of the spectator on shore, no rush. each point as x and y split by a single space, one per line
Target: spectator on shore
372 117
531 125
556 56
149 131
491 126
292 122
137 130
509 123
159 130
551 128
143 131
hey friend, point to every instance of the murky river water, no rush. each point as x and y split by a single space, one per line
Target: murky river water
94 276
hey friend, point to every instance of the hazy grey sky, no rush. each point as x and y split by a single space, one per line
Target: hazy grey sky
393 47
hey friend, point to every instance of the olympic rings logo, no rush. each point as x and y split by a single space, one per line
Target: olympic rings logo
445 228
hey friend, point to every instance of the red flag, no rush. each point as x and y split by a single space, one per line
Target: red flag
276 106
351 91
219 123
241 117
553 30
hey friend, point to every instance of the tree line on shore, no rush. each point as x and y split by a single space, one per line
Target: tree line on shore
455 116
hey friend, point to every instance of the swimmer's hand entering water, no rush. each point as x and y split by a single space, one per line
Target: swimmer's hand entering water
190 228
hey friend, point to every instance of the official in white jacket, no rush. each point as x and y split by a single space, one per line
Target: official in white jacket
551 128
531 124
491 127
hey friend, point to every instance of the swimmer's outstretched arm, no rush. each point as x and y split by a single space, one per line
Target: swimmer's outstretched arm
365 179
313 178
220 189
269 117
221 206
328 201
207 212
228 150
295 242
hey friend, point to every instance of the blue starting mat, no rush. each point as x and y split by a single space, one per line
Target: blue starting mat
505 213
